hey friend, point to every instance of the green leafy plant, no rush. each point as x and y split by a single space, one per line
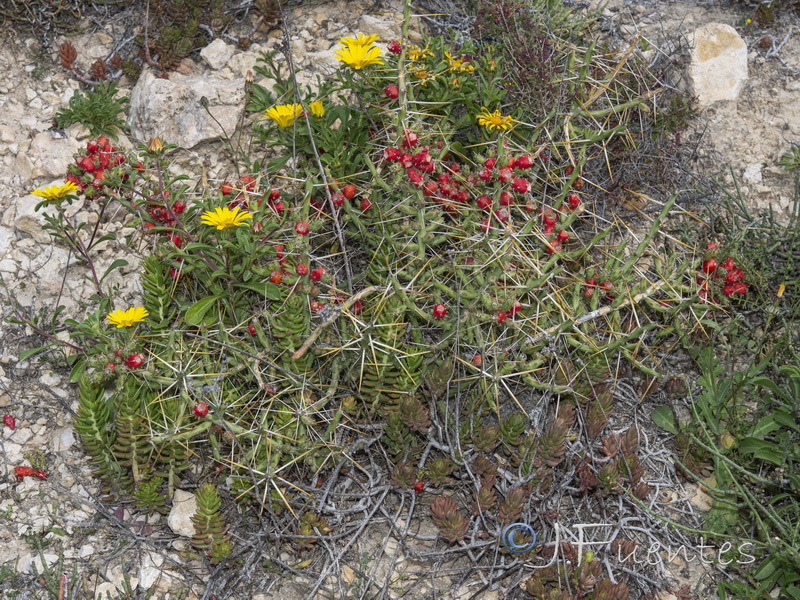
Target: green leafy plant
97 109
210 529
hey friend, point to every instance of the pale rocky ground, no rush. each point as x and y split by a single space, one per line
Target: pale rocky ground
748 133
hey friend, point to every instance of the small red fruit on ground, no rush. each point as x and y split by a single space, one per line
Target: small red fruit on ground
524 162
506 174
201 409
574 201
301 228
710 265
10 422
419 486
391 91
365 204
251 329
177 240
711 246
349 191
523 186
316 274
301 269
276 277
501 316
439 312
134 361
563 235
729 264
41 475
22 472
484 202
226 189
477 360
394 47
506 199
490 162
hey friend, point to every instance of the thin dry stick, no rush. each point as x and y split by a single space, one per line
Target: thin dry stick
327 323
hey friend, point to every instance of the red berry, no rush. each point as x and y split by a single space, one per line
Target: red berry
10 422
483 202
201 409
409 139
87 164
41 475
563 235
734 276
430 188
477 360
506 199
365 204
103 141
301 228
502 215
439 312
553 247
391 91
227 189
485 225
524 162
414 176
485 174
490 162
523 186
177 240
391 154
278 251
349 191
588 290
507 173
110 367
394 47
178 207
279 207
608 286
134 361
406 160
316 274
419 486
337 199
515 308
301 269
574 201
710 265
276 277
274 194
251 329
711 246
549 222
729 264
92 147
358 307
501 316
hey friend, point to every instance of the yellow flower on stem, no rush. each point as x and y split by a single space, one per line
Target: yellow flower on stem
223 218
359 52
127 318
55 193
458 64
284 114
493 120
317 109
414 52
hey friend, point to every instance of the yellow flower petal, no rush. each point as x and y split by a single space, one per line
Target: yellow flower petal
127 318
223 218
284 114
494 120
317 109
54 193
359 52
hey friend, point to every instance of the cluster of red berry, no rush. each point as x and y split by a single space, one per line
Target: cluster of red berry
134 361
715 276
237 196
93 167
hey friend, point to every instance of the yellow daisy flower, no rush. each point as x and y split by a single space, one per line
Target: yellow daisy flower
55 193
493 120
284 114
414 52
317 109
223 218
127 318
458 65
359 52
